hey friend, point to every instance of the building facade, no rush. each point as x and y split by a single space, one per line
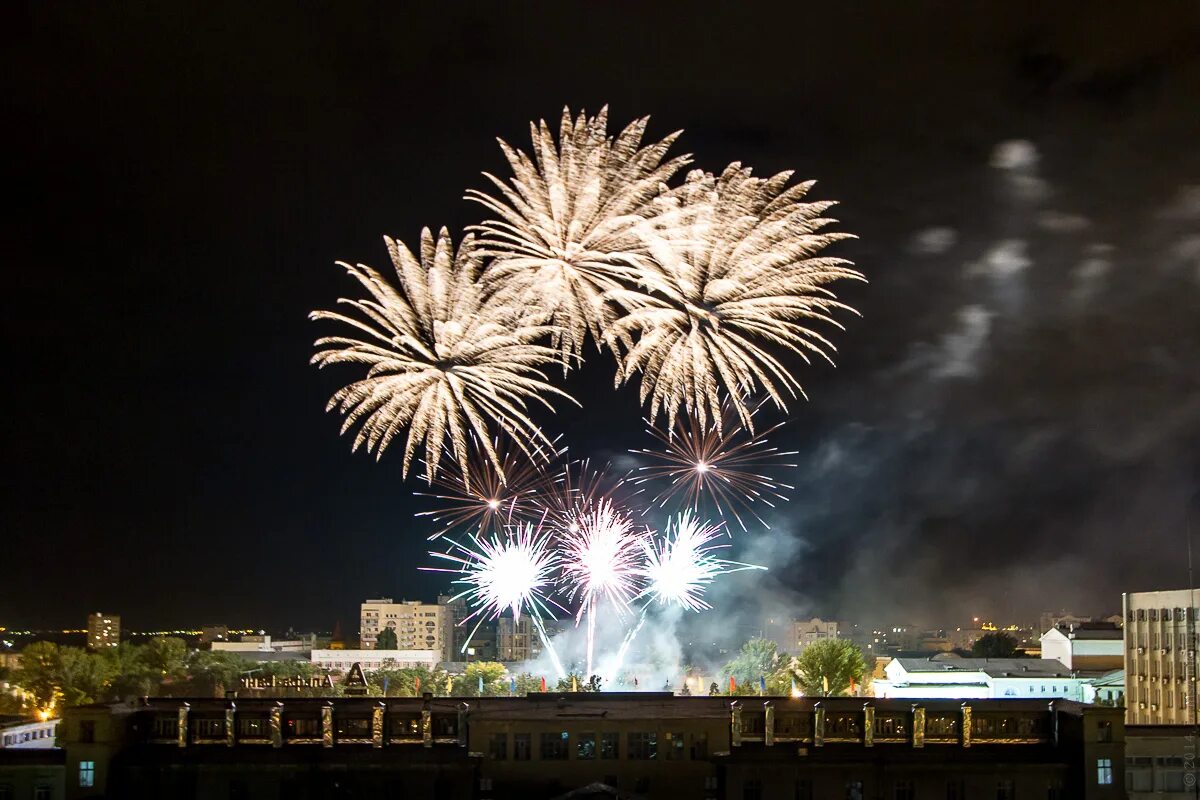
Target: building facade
36 734
417 625
372 660
992 678
806 632
1094 646
517 640
1160 630
646 745
103 631
1158 761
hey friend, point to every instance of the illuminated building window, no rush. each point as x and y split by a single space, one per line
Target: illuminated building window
1104 771
553 746
87 773
585 746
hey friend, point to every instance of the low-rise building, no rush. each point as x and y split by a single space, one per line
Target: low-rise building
1157 759
646 745
371 660
417 625
964 678
1098 646
37 774
263 643
29 734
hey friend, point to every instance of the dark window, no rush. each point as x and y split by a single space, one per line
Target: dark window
854 790
752 789
1054 792
643 746
210 728
904 790
303 728
804 789
522 747
610 747
5 792
354 728
238 790
553 746
699 746
1104 731
87 731
165 727
1006 790
585 746
253 728
674 749
498 747
43 793
405 727
641 785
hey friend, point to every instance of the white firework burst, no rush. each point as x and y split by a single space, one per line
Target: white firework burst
443 360
566 226
734 273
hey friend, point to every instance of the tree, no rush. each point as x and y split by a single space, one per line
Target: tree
827 667
212 672
83 677
133 676
757 660
527 682
166 658
995 645
492 673
387 640
38 674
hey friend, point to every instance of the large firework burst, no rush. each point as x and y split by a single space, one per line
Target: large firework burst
734 271
718 461
599 562
566 225
513 572
442 359
681 566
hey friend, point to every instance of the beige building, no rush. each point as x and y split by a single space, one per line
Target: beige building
418 626
805 632
1092 646
104 630
1159 630
517 641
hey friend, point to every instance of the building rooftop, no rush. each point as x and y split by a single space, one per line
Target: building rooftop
992 667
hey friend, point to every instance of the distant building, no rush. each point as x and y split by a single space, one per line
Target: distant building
517 641
213 633
964 678
1106 690
459 631
1158 626
418 626
806 632
1086 646
263 643
371 660
104 630
1052 619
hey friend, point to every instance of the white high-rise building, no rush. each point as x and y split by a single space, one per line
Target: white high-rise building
418 626
1160 657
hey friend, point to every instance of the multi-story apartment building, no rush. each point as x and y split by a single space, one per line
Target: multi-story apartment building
805 632
104 631
1160 658
517 640
418 626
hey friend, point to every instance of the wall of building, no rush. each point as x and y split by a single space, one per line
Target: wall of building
371 660
1157 630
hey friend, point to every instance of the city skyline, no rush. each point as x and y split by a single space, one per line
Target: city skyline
1018 408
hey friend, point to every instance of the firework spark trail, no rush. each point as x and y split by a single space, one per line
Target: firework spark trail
724 463
600 561
486 500
628 640
442 359
574 490
510 573
678 569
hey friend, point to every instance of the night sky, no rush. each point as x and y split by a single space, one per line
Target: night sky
1013 425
